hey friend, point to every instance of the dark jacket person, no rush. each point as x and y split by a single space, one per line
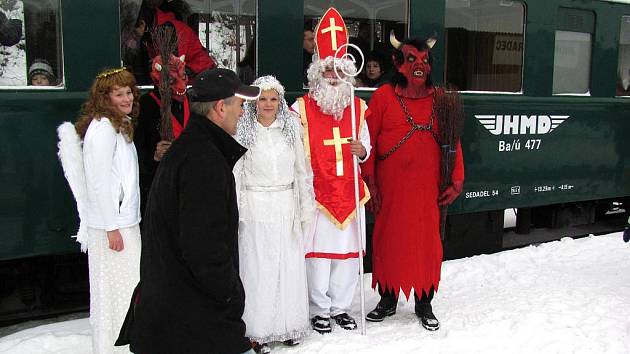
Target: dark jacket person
10 30
190 298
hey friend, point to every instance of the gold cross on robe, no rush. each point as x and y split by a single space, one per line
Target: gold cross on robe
337 141
333 32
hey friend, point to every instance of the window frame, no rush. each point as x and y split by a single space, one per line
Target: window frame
622 18
521 91
564 27
61 80
148 87
407 19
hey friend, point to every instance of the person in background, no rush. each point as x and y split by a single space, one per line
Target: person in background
373 73
190 298
148 140
246 68
108 199
626 232
155 13
10 30
274 186
40 73
308 45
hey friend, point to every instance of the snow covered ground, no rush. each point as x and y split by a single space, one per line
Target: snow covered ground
568 296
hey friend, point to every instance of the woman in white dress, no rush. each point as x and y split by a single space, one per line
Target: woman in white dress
276 201
110 207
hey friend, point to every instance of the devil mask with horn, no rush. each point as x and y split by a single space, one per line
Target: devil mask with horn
177 74
413 62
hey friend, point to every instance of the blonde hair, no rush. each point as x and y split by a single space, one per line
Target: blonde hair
99 104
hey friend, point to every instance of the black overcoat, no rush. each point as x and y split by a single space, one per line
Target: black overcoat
190 298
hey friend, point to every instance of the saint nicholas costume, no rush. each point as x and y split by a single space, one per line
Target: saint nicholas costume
332 242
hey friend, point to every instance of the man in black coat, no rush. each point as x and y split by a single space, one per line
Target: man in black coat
190 298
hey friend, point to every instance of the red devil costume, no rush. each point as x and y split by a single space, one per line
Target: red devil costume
150 17
403 174
147 134
332 243
197 58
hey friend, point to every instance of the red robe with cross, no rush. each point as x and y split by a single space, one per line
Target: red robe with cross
407 250
333 235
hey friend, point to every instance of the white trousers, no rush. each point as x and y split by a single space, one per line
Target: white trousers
331 285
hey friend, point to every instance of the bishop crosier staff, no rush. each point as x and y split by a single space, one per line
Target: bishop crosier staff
355 165
333 251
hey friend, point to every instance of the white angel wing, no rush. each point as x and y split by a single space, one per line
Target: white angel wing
71 156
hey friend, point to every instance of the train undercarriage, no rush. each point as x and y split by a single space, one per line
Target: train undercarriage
49 286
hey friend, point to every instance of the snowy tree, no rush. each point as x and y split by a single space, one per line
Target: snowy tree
13 58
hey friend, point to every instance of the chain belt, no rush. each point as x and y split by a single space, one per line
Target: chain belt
414 127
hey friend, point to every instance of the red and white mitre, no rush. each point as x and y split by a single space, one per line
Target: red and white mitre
330 35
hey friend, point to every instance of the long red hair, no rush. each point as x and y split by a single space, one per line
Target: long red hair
99 104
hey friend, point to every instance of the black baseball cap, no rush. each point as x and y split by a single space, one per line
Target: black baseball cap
219 83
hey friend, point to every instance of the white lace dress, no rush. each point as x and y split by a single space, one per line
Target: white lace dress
113 276
275 192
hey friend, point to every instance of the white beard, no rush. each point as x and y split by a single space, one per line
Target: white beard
331 99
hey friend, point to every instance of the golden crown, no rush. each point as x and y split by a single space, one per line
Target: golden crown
110 72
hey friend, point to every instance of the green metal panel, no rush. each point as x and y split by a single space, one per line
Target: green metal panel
280 33
37 212
605 49
91 40
540 33
586 157
426 18
575 20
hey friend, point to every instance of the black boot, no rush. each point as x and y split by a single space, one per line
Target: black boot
321 324
345 321
424 311
262 348
291 342
386 307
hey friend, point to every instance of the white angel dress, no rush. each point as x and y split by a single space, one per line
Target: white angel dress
113 275
276 200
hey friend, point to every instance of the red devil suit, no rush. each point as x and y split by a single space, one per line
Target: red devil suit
404 173
188 44
407 250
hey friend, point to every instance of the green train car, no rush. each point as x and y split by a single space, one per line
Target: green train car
545 85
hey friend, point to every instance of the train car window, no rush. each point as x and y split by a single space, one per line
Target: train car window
369 23
225 29
623 66
484 45
572 53
30 44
